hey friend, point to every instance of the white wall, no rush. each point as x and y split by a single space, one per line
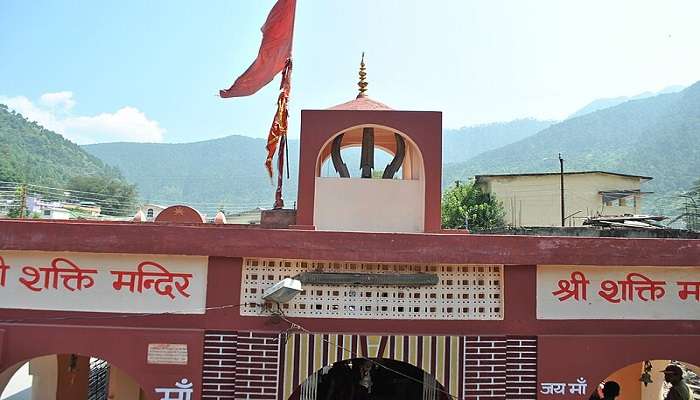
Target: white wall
371 205
44 372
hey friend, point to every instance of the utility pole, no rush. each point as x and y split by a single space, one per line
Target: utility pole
561 165
23 200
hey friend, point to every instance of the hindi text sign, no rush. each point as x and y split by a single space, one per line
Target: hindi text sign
125 283
596 292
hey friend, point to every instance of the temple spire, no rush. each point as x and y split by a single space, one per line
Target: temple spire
362 83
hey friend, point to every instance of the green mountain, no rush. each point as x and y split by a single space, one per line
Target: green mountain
30 153
228 172
657 136
223 173
464 143
600 104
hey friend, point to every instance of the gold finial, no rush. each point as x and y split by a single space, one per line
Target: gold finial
362 83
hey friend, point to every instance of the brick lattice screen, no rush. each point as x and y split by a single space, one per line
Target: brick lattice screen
240 365
521 368
219 366
484 367
500 367
257 365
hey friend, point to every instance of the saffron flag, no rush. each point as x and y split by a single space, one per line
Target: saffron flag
279 122
275 50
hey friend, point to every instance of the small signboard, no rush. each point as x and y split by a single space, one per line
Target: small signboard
167 354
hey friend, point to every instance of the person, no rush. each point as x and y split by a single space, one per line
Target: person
607 391
673 374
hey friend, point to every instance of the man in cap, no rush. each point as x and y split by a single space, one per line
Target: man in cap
673 374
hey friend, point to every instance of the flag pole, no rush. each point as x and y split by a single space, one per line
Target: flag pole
279 201
278 132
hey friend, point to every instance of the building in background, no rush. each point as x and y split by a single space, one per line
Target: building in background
250 217
534 199
151 211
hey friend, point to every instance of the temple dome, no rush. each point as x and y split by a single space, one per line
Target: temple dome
361 103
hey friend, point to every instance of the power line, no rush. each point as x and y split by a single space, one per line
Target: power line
118 316
64 193
292 326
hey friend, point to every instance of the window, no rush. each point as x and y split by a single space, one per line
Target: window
47 213
149 213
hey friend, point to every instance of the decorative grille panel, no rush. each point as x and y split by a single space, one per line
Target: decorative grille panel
463 292
98 379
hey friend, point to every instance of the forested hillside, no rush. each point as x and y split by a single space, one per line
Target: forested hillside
464 143
30 153
228 172
600 104
657 136
223 173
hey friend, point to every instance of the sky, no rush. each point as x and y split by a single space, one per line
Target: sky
149 71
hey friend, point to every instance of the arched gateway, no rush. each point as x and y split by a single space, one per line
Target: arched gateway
371 378
393 366
63 353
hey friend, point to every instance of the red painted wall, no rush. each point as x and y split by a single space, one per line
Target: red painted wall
123 341
236 241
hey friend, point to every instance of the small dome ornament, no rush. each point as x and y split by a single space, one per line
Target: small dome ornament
362 83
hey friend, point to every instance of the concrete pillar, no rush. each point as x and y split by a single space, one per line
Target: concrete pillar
44 371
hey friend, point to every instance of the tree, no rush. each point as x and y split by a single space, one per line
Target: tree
466 202
114 196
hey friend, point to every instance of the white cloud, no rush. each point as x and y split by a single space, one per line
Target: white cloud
127 124
63 100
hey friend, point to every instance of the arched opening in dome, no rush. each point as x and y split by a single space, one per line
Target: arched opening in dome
351 156
370 151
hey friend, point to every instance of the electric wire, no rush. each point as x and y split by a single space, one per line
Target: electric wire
189 312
